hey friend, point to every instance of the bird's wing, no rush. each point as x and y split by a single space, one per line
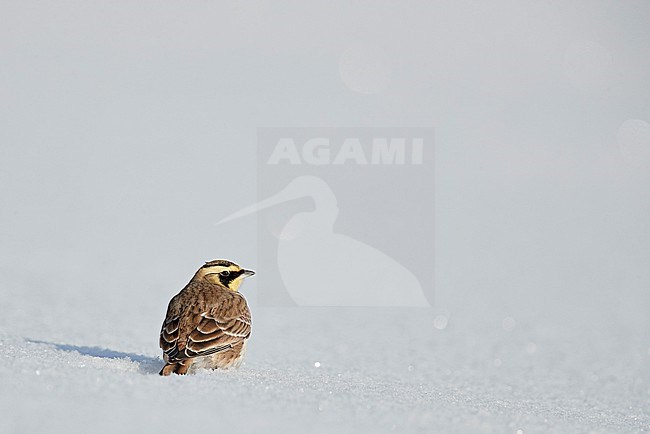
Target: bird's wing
216 328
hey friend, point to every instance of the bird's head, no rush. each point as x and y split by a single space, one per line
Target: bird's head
224 273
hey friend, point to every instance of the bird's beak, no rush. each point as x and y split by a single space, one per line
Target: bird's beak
247 273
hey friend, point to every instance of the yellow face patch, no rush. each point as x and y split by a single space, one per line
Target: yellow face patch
235 284
230 276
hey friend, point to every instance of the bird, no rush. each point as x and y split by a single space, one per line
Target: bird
308 246
207 322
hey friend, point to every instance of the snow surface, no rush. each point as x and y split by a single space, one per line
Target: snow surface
80 366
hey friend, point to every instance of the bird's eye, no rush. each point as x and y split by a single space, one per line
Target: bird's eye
225 273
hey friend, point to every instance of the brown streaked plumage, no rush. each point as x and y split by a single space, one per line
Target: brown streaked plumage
208 322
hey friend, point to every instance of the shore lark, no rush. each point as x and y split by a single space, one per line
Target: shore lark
208 322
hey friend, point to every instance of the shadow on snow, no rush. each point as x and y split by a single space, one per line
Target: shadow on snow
147 365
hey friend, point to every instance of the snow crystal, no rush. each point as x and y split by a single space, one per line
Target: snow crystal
440 322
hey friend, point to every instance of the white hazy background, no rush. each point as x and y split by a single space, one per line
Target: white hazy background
127 129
